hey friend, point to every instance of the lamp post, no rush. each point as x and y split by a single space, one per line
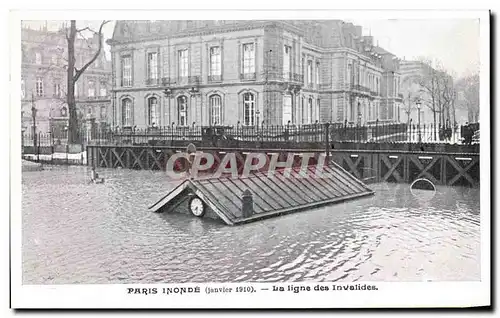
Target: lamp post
33 115
418 102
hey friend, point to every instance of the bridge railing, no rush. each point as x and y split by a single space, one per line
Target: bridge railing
308 133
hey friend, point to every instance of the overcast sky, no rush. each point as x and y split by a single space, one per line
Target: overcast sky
453 42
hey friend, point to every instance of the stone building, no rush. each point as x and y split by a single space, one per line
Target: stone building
44 81
249 73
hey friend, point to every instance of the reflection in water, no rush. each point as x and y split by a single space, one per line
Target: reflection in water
76 232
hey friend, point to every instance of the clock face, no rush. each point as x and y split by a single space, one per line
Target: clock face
197 207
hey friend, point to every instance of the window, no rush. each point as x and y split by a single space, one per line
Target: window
103 112
76 89
215 63
182 110
309 72
126 70
54 59
357 74
286 62
216 110
89 111
153 67
126 112
350 76
102 89
302 111
152 111
57 90
317 74
39 86
23 88
64 112
248 58
378 87
248 109
91 89
287 109
38 58
303 67
310 111
318 107
183 63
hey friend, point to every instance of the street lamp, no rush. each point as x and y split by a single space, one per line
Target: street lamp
418 102
33 116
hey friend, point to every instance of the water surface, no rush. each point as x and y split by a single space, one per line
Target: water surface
76 232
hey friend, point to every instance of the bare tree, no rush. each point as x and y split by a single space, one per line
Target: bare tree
73 74
468 86
437 91
70 69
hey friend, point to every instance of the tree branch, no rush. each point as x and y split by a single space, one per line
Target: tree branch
96 55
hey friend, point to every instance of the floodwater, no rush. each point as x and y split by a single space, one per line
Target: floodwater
76 232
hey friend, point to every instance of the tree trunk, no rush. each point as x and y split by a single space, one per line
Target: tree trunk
73 130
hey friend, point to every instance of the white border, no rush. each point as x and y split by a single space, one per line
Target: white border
114 296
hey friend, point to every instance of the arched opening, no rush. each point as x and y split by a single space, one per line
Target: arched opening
249 109
182 110
126 112
215 110
152 111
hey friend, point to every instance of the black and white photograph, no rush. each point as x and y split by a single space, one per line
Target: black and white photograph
263 160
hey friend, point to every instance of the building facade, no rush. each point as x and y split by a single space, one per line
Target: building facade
248 73
44 82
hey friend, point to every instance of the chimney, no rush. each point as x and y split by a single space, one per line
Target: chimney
247 208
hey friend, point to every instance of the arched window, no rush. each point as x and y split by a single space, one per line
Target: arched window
103 112
182 110
127 112
318 107
287 109
310 111
152 111
249 109
215 110
303 111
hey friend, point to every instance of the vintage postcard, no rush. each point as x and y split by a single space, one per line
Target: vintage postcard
250 159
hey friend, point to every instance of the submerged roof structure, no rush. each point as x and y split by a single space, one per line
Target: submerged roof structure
269 196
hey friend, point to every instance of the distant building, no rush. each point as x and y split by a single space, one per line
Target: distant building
44 81
249 73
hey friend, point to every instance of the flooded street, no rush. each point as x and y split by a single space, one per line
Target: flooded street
76 232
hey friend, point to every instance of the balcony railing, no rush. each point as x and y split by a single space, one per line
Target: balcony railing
215 78
126 82
152 81
298 78
194 80
166 81
248 76
360 88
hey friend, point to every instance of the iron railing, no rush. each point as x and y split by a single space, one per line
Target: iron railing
376 132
